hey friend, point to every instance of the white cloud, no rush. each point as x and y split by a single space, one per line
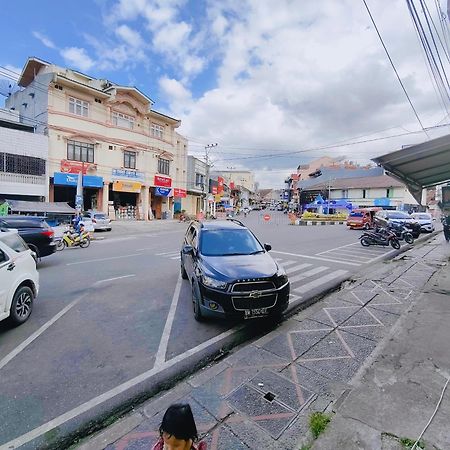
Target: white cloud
44 39
78 58
130 36
175 93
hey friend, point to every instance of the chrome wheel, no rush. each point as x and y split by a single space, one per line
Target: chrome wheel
23 305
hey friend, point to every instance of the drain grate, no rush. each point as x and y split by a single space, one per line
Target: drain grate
270 397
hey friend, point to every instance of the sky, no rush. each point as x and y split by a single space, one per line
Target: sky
273 83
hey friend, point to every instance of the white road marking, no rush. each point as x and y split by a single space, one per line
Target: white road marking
293 298
308 274
177 257
164 342
112 240
336 248
297 268
381 256
315 283
117 278
317 258
165 253
38 332
103 259
287 263
60 420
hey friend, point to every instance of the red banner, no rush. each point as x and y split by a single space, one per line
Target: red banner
181 193
219 185
214 190
162 181
73 166
231 184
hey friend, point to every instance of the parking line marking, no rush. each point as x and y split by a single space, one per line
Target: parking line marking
103 259
318 258
38 332
336 248
164 342
297 268
84 407
313 284
293 298
117 278
308 274
381 256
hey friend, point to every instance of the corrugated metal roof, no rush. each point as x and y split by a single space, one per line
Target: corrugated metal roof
382 181
40 207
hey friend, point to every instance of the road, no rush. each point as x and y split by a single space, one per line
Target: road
109 313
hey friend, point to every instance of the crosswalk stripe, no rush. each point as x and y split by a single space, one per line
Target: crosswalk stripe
288 263
297 268
176 257
315 283
165 253
307 274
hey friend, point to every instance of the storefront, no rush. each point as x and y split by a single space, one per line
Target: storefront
161 201
63 187
178 195
124 193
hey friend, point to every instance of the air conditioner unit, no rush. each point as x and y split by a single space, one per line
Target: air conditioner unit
112 147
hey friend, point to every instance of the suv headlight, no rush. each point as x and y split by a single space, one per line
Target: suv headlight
213 283
282 278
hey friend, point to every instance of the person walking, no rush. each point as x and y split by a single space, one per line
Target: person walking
446 226
178 430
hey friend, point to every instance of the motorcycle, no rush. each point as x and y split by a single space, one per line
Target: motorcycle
72 239
383 237
402 232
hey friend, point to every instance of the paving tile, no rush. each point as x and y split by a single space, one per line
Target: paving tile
360 346
387 318
315 382
287 392
385 298
361 317
329 347
341 370
341 315
375 333
394 309
258 357
322 318
221 438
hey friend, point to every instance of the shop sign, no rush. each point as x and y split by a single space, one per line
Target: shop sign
231 184
125 173
162 181
181 193
162 191
219 185
127 186
68 179
214 190
74 166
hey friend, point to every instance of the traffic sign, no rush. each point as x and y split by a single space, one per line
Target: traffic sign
266 217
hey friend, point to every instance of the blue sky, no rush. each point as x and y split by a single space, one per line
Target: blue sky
263 79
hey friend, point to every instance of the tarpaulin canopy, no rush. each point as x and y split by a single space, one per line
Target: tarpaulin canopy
419 166
21 206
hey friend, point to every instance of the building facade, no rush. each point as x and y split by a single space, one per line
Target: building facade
23 160
195 200
233 178
132 159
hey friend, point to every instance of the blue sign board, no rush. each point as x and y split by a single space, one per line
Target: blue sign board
162 192
128 174
70 179
382 201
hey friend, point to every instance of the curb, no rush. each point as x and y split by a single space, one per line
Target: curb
312 222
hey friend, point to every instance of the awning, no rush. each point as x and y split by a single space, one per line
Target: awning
419 166
22 206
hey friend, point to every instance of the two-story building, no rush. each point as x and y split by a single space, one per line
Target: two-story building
132 160
23 160
196 186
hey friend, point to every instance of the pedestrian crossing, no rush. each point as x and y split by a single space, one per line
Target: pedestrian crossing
175 255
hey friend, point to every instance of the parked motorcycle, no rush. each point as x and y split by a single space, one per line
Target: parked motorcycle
383 237
402 232
72 239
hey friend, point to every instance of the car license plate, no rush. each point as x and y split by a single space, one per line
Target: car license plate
259 312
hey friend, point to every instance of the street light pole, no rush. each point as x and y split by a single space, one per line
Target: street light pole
208 148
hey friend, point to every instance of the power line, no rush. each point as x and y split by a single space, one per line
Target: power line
392 64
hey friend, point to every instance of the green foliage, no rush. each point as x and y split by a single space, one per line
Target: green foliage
318 422
408 443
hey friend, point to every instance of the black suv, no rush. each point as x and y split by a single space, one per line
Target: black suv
386 217
35 231
231 273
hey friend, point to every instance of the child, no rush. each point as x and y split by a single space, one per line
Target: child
178 430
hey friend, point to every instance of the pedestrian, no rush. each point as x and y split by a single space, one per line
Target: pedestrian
446 226
178 430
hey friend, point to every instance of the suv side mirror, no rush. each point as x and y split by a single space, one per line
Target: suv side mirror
187 250
267 247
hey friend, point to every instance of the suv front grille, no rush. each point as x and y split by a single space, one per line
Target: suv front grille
250 286
265 301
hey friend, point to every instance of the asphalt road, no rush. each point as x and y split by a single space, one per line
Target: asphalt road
108 313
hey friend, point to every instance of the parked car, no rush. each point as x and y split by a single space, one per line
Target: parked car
99 220
362 218
384 217
19 278
231 272
34 230
425 220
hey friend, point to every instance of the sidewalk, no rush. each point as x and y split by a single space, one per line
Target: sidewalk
322 359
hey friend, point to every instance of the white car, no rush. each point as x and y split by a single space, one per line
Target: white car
100 221
19 278
425 220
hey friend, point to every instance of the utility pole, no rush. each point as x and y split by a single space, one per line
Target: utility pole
208 148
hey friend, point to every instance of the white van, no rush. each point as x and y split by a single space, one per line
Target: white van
19 278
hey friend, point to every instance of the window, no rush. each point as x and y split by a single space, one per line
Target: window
26 165
78 107
15 242
163 166
229 242
157 130
3 257
389 193
80 151
129 160
344 193
199 179
364 195
122 120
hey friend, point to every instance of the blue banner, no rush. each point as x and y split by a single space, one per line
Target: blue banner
162 192
128 174
71 179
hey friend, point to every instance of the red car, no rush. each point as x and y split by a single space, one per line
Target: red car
362 218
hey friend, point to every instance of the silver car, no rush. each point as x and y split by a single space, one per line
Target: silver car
99 220
425 220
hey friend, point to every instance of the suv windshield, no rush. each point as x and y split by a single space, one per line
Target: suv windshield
99 216
398 215
356 214
229 242
422 216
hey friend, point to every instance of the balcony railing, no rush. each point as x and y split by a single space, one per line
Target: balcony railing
22 178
